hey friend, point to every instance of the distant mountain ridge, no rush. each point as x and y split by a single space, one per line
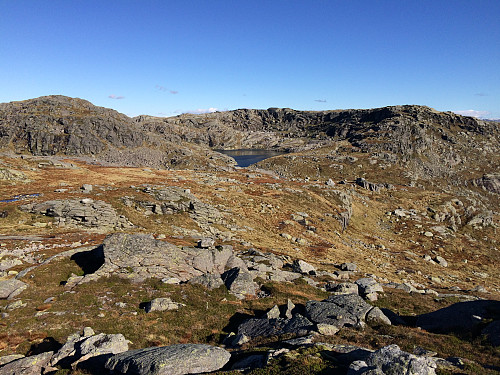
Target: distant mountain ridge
433 141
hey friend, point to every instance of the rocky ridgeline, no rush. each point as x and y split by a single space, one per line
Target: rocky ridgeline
57 124
428 142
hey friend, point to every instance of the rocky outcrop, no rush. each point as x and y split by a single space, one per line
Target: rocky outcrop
80 212
169 360
489 182
141 256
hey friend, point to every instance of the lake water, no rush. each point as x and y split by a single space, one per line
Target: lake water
244 158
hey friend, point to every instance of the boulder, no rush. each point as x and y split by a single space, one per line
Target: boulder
88 349
239 282
351 267
459 317
11 288
169 360
162 304
303 267
342 310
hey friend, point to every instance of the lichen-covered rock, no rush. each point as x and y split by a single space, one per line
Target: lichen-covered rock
208 280
239 282
169 360
32 365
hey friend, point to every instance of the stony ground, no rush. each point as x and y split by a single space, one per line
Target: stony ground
422 247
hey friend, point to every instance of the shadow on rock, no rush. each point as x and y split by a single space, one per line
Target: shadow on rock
49 344
90 261
463 318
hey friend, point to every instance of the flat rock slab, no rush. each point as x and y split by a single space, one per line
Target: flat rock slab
11 288
253 328
169 360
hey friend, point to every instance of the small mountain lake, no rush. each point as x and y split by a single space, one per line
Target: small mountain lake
244 158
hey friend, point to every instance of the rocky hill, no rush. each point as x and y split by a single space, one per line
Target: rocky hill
129 245
426 142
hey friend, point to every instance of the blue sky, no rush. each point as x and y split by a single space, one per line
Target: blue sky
163 58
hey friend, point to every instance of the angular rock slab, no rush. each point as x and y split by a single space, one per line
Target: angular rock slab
169 360
11 288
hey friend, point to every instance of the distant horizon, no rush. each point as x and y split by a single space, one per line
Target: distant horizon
466 113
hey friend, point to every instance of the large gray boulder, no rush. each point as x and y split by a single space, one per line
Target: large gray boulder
33 365
11 288
344 310
141 256
391 360
169 360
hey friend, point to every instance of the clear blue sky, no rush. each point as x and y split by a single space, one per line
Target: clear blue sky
166 57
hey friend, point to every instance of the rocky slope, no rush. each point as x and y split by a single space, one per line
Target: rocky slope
371 247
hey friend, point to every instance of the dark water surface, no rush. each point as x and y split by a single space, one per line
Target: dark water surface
244 158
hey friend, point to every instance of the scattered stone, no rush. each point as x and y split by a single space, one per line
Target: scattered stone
169 360
441 261
206 243
343 288
327 329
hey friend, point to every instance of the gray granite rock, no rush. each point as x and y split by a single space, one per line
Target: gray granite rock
169 360
239 282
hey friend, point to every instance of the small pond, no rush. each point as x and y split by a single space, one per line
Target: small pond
244 158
